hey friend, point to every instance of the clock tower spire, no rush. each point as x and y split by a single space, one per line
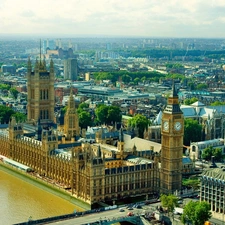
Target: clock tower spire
172 131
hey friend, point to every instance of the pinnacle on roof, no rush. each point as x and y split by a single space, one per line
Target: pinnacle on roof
174 91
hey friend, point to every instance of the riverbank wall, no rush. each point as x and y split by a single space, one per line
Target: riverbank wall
38 182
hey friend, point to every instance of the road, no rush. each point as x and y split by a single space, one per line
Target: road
113 214
105 215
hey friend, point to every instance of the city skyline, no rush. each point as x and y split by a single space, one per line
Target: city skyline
144 18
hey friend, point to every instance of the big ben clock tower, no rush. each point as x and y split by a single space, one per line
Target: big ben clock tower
172 130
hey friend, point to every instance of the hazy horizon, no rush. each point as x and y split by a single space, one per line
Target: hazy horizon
113 18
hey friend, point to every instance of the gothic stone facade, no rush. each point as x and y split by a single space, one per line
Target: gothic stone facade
93 172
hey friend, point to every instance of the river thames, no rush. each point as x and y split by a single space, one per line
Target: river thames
20 200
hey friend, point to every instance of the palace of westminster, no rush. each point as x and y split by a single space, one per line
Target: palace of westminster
93 172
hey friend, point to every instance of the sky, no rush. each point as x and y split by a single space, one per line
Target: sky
141 18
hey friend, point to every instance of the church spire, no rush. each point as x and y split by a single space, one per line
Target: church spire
173 102
40 52
99 152
121 136
71 103
174 91
29 66
51 67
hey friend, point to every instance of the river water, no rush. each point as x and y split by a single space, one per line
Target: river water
20 200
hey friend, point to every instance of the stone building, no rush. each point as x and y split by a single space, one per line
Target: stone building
172 145
96 171
40 92
212 190
212 119
196 148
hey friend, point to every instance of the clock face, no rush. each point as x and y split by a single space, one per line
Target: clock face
166 125
177 126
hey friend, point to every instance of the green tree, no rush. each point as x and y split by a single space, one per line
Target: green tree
218 154
14 92
191 85
216 103
169 201
126 78
64 109
174 66
208 152
141 122
6 113
196 213
85 119
192 131
20 117
143 79
103 76
108 114
191 182
82 107
136 80
4 86
201 86
190 101
114 114
101 113
175 76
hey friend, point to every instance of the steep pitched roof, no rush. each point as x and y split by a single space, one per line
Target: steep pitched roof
158 118
188 111
198 104
141 144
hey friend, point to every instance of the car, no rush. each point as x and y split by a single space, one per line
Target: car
180 202
121 210
130 205
130 214
138 207
130 208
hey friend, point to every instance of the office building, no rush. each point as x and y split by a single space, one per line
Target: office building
70 69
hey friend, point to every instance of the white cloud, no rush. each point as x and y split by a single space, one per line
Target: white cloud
113 17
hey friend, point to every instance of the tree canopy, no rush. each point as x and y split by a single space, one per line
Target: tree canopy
192 131
4 86
201 86
82 107
6 113
127 76
174 65
196 213
108 114
191 182
84 119
169 201
208 152
141 122
190 101
14 92
216 103
175 76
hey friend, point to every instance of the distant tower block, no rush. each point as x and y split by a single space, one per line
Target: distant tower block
70 69
87 76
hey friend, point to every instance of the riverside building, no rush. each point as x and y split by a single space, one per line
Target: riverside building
92 172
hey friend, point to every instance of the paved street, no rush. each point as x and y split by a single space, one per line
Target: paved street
111 214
